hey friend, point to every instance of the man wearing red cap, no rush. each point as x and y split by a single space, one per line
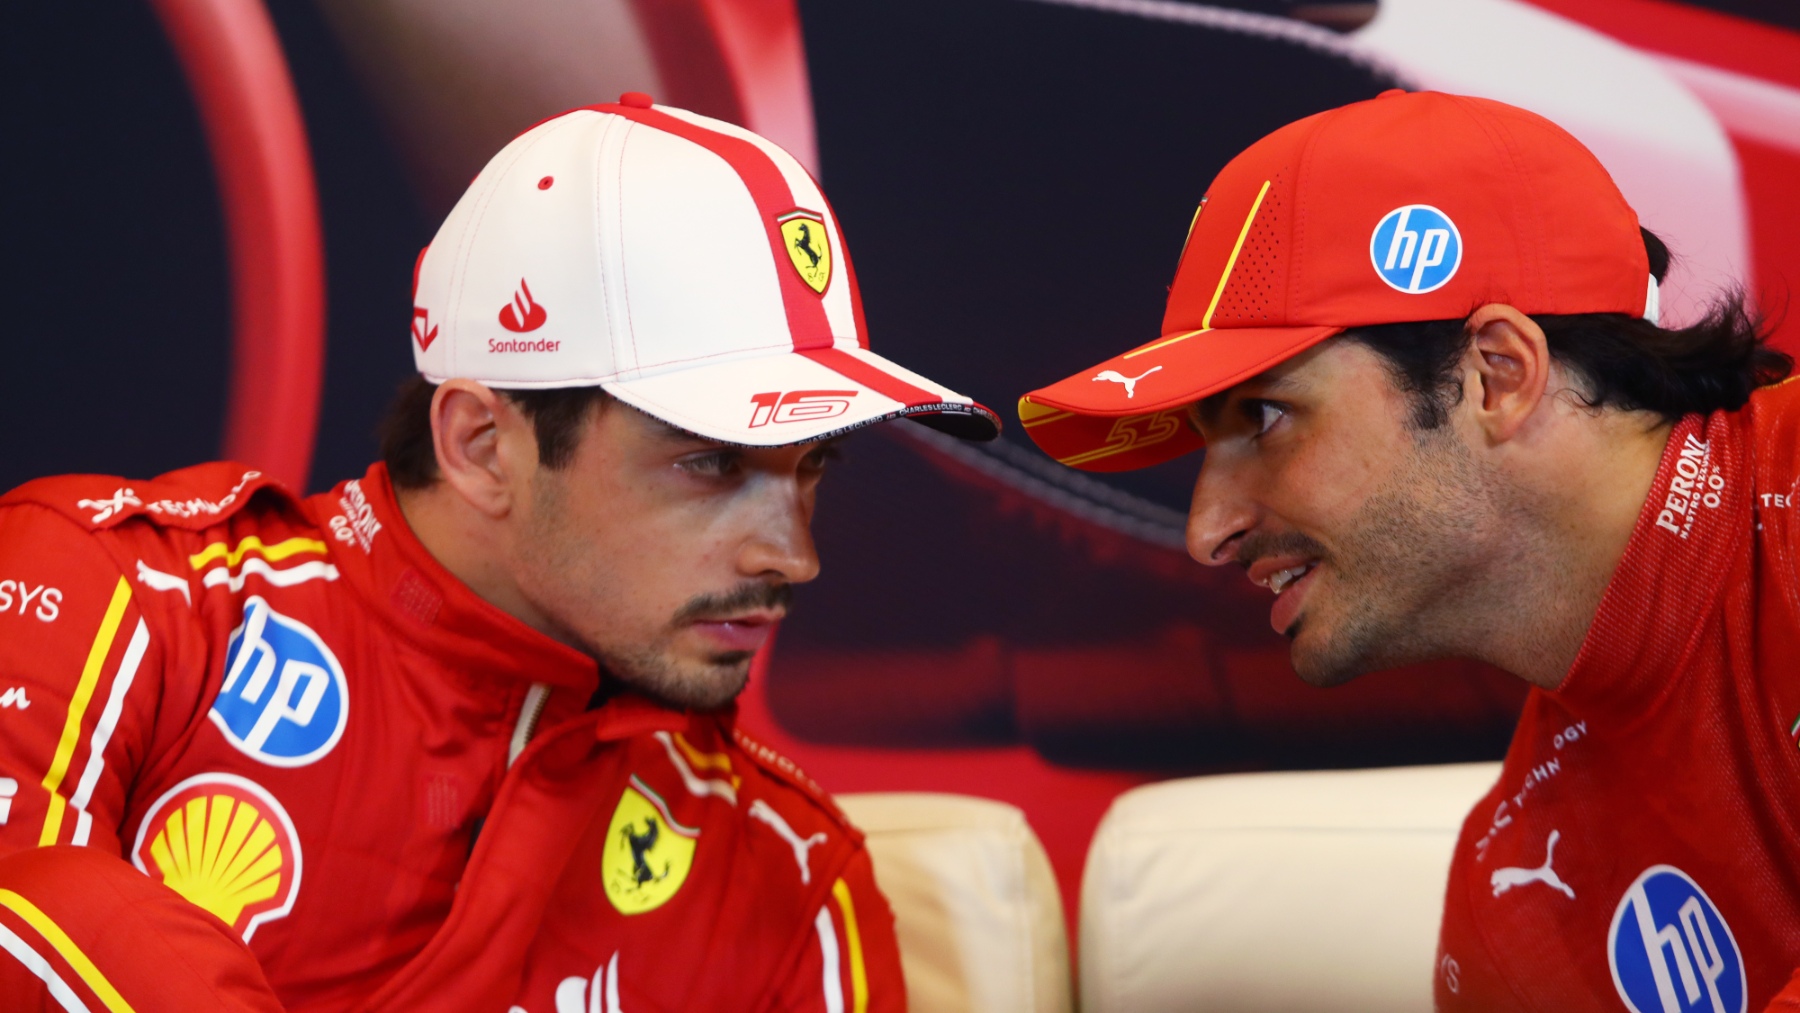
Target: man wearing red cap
457 735
1418 338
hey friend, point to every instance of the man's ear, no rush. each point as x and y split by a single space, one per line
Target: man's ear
482 442
1508 365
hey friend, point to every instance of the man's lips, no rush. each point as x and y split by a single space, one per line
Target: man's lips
1290 598
746 631
1275 572
1289 577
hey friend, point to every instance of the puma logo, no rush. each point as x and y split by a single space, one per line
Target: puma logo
1507 878
765 812
156 580
1130 382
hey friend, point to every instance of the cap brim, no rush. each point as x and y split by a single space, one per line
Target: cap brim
790 397
1128 412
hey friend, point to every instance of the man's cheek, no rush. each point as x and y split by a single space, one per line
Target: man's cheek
626 612
1329 494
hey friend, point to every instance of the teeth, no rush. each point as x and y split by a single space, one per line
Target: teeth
1279 582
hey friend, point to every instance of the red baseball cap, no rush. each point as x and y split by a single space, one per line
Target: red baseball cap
1405 207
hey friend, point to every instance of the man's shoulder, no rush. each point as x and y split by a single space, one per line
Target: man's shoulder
771 767
169 533
1772 421
190 499
1773 414
763 784
1774 427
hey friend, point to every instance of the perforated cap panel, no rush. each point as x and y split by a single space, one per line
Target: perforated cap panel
1256 292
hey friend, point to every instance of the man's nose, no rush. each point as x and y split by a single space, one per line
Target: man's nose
1219 516
781 545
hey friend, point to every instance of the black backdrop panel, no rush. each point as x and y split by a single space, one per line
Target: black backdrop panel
118 292
117 305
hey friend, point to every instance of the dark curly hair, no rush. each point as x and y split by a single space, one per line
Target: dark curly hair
405 433
1620 361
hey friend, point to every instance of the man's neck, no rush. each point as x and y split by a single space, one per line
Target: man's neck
1577 511
470 546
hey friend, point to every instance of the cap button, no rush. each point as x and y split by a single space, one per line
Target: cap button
636 100
1390 93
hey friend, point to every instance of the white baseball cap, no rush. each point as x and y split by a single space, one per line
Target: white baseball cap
685 265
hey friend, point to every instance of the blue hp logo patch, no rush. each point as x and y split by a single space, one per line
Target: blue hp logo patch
284 700
1416 249
1671 950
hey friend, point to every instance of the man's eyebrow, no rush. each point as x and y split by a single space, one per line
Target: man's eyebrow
1285 383
1208 409
675 434
1256 388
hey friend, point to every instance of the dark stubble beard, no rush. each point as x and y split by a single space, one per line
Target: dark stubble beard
651 669
705 685
1402 579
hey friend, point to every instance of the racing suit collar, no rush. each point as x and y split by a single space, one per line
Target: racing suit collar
629 715
1688 538
427 604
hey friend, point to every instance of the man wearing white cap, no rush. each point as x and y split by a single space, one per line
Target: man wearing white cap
457 734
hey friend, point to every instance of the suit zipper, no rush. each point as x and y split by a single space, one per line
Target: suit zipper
529 712
533 708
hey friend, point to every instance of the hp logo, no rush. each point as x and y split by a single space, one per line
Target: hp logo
1416 249
1670 949
284 700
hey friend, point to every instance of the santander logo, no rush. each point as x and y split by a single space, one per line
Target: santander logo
522 314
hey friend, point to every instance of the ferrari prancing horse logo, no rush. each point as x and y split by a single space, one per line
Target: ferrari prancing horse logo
647 854
809 246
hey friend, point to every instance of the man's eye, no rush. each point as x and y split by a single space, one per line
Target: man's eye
823 455
1265 415
715 464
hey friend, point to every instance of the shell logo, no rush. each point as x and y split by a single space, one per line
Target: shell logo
225 844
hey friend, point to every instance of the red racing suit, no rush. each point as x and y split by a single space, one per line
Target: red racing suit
1641 850
285 711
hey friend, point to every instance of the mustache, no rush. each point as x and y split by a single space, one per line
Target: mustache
744 598
1282 543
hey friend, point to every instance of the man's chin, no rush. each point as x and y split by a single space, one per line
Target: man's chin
1325 656
1320 662
1323 677
724 680
702 684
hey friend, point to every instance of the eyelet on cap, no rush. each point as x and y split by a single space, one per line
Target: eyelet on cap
636 100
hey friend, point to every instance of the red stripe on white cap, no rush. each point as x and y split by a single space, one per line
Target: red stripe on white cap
769 190
856 307
849 366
